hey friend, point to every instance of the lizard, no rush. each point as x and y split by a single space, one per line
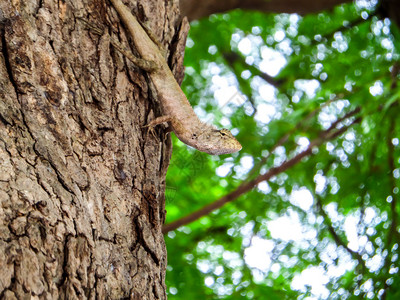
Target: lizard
176 109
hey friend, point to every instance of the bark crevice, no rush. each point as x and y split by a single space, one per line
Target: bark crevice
6 57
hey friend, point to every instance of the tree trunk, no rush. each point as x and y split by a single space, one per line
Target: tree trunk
81 182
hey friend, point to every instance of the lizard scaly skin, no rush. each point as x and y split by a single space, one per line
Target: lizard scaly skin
175 106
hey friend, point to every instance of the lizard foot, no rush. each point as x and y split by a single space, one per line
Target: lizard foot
150 128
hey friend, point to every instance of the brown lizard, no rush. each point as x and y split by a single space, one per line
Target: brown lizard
177 111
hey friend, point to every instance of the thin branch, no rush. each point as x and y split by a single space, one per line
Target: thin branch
335 236
345 27
286 136
393 204
196 10
392 229
231 63
232 58
247 186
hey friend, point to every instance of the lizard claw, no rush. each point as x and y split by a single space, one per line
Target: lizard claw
150 129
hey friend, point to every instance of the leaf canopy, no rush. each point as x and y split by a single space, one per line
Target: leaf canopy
325 227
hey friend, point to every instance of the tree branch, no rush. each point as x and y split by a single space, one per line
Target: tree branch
392 229
195 10
232 58
335 236
246 186
300 125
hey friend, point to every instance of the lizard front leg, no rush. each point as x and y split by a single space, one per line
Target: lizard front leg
177 126
173 123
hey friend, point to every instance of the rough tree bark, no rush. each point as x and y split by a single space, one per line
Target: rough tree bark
81 182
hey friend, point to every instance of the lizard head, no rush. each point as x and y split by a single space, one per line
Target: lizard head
217 142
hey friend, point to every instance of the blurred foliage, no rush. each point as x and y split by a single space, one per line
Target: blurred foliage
328 227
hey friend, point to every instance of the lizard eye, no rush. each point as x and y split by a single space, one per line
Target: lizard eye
225 132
